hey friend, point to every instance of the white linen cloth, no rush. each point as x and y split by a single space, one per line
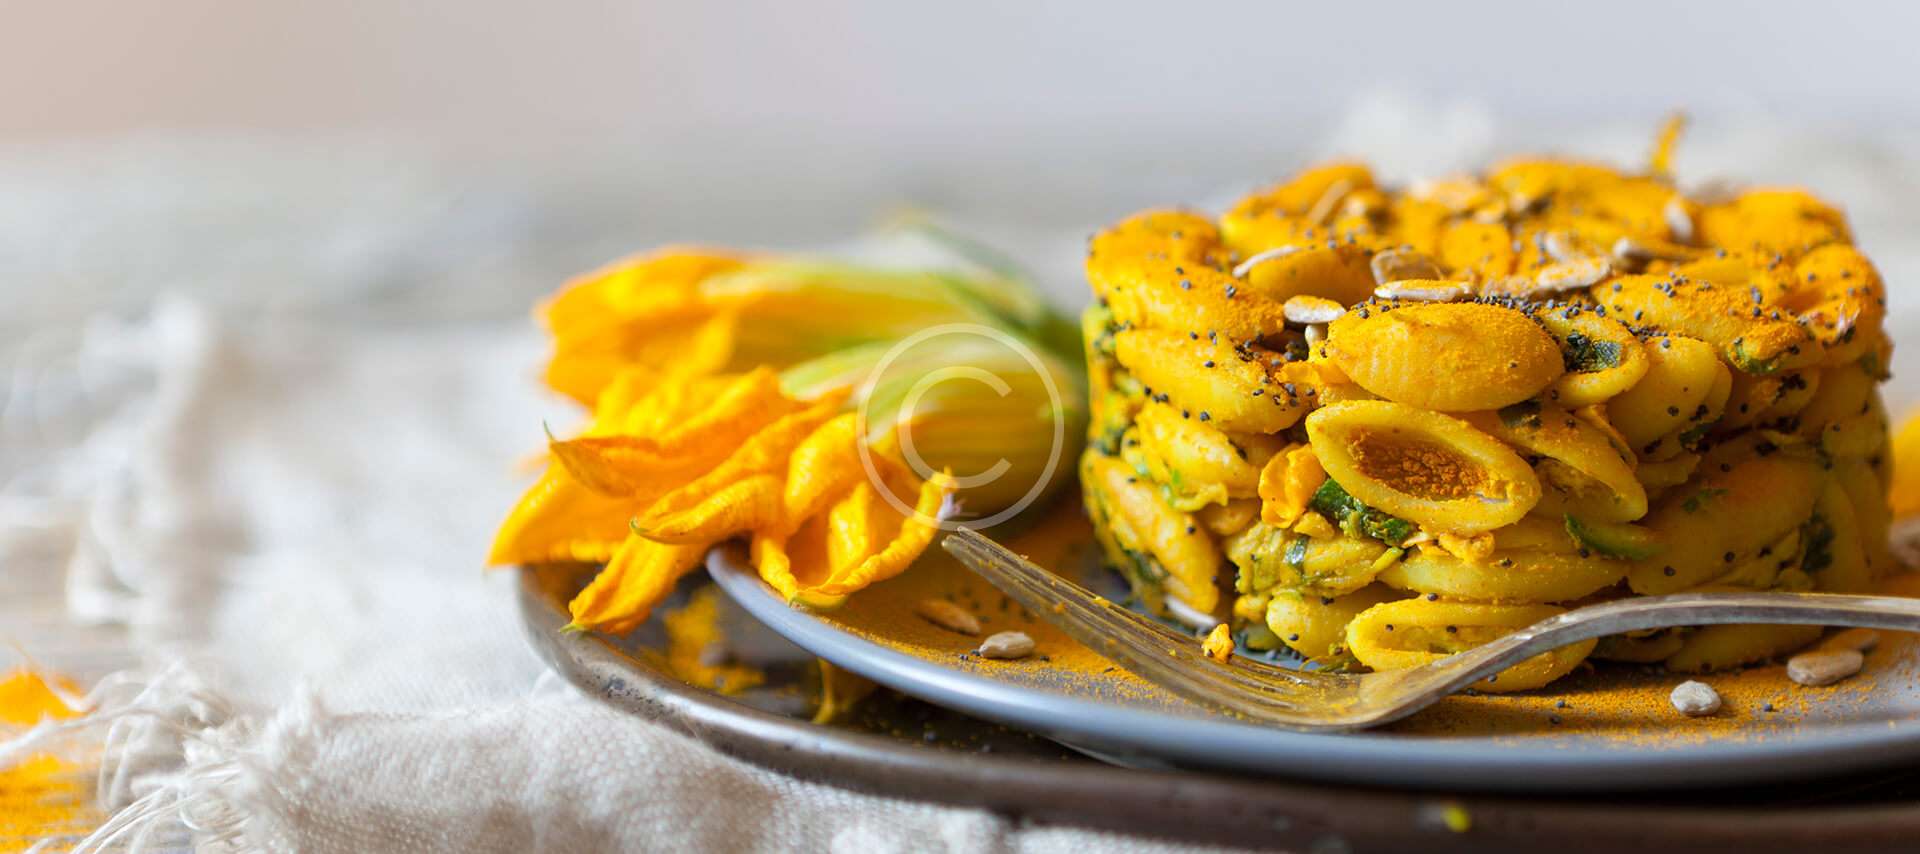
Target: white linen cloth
283 509
291 518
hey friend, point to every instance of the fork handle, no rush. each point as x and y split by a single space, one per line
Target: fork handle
1659 612
1898 613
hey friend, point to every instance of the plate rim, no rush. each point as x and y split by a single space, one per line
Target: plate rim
1493 764
1172 804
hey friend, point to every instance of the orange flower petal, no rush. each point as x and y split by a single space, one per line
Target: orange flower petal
638 577
633 287
628 468
910 540
645 467
745 505
560 519
766 451
861 541
824 467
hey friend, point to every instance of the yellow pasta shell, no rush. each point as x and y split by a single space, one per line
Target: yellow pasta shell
1507 576
1709 523
1747 335
1212 382
1847 570
1576 329
1339 273
1413 632
1838 294
1773 220
1680 374
1485 248
1255 220
1724 647
1433 469
1132 510
1447 357
1316 626
1595 476
1328 566
1200 459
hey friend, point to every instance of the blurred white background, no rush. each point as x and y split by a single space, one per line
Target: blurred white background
440 158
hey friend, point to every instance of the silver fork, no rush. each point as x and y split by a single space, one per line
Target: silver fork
1312 700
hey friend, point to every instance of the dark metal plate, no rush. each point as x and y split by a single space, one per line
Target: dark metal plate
903 748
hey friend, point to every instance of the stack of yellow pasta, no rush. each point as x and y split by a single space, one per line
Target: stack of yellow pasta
1378 427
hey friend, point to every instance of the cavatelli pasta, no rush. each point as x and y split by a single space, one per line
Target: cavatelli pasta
1433 469
1401 423
1412 632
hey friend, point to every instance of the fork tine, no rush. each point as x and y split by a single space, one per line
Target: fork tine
998 563
1148 648
1142 645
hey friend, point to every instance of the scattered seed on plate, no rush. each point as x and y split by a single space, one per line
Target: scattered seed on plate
1858 640
1695 699
1312 309
1424 290
1824 666
1006 645
948 616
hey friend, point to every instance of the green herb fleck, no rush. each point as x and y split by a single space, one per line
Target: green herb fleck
1526 413
1333 501
1627 542
1586 353
1699 499
1296 555
1693 435
1818 536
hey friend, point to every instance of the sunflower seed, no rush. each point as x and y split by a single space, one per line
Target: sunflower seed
1188 615
1492 211
1310 309
1362 203
1323 208
1395 265
1561 246
1824 666
1715 191
1456 193
1695 699
1524 204
1006 645
1423 290
1570 275
1679 220
948 616
1316 333
1634 251
1241 270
